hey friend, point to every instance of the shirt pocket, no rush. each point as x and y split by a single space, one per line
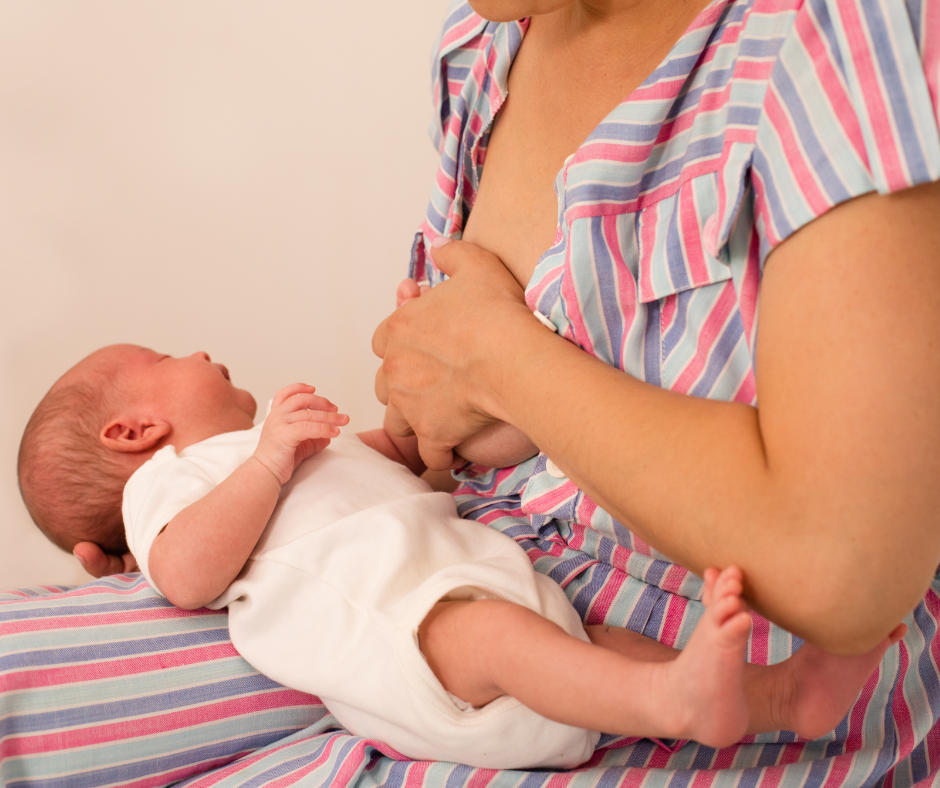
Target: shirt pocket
694 338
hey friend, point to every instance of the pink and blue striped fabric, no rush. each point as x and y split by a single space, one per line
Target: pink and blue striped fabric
764 115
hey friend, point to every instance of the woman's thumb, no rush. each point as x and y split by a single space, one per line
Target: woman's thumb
442 255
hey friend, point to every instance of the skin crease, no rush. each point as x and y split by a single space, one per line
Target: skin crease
832 481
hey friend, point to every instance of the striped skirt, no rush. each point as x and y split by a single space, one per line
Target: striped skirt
108 684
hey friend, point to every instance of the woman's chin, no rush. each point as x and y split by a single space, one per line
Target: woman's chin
510 10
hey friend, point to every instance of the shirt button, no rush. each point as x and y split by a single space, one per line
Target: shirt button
554 470
545 321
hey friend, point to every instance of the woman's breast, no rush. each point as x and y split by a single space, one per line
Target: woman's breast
513 218
514 213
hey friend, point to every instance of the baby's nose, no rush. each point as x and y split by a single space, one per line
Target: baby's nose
202 354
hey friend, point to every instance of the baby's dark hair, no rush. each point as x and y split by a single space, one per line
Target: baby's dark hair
71 483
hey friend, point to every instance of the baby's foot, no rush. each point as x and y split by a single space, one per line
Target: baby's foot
817 689
705 682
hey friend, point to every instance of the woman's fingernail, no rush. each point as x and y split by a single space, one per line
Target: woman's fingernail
438 242
80 559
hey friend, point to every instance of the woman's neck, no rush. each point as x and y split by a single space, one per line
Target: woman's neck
623 32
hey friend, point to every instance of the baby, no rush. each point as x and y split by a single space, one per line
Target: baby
347 577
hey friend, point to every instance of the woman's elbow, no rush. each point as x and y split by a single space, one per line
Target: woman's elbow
848 601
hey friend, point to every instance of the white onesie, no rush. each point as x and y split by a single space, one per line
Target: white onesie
356 553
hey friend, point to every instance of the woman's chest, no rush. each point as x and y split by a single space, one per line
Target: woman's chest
631 229
557 100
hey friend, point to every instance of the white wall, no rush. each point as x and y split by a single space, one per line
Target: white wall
236 176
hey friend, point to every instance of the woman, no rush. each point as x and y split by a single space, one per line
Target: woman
728 172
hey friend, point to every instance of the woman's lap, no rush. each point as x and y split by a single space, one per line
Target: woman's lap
108 684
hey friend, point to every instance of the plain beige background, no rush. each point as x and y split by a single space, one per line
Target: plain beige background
240 177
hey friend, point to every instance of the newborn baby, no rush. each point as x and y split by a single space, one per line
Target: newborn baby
347 577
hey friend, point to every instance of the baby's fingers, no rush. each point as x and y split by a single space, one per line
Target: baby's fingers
307 401
711 576
308 448
305 431
313 415
289 391
407 290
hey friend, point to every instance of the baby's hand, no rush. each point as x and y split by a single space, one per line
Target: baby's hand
299 425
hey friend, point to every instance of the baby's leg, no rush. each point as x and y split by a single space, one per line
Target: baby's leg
812 691
809 693
482 650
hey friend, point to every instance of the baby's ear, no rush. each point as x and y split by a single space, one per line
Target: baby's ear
131 434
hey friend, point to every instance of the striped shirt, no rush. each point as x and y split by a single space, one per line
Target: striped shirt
764 115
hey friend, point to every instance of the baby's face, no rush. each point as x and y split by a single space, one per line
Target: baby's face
195 396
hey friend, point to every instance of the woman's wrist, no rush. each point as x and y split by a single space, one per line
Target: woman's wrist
507 379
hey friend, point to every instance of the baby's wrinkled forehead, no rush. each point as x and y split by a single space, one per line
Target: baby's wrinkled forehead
103 371
107 360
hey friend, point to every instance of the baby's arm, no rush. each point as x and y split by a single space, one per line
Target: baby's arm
201 550
401 450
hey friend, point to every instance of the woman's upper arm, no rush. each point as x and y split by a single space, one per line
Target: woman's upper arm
848 375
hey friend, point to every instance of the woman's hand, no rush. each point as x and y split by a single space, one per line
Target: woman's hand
98 563
826 496
442 352
498 445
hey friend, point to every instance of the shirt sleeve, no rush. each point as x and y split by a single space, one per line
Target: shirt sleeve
851 107
158 491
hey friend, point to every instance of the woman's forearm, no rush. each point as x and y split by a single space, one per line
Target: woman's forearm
827 496
690 477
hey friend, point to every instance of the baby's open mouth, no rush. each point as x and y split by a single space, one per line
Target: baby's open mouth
225 374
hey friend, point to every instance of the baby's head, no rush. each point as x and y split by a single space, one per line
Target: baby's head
104 418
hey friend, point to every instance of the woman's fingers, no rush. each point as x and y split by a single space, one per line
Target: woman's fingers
451 256
443 258
130 563
396 424
438 457
434 347
98 563
381 386
380 339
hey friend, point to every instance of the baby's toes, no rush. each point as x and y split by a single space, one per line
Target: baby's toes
726 607
729 582
737 627
708 593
